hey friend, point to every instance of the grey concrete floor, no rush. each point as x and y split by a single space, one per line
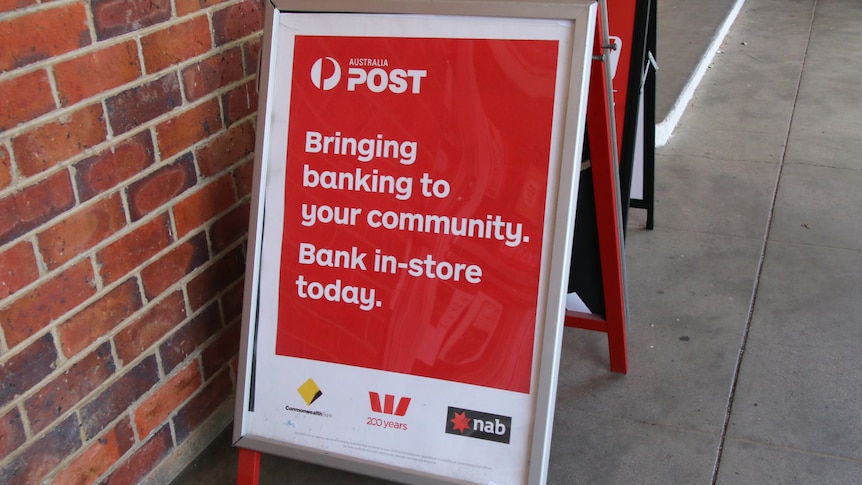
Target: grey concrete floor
744 301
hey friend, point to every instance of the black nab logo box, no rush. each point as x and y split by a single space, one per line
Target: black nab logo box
476 424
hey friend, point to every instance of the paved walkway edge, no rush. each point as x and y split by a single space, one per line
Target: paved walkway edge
664 129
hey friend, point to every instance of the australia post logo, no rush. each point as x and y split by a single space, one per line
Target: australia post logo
476 424
366 74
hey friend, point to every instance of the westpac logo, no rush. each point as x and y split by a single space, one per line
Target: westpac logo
476 424
387 405
326 75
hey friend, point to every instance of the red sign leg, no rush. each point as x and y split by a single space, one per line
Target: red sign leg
248 470
607 201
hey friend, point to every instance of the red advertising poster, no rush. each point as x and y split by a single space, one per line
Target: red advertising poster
416 175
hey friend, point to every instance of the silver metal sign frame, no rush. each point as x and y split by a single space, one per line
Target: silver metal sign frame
582 16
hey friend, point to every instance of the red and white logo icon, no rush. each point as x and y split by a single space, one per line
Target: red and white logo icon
388 405
325 66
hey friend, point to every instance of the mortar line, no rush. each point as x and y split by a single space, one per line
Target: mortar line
762 258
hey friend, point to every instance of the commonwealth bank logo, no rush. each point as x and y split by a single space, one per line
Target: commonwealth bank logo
309 391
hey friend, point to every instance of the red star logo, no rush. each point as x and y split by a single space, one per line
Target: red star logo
460 422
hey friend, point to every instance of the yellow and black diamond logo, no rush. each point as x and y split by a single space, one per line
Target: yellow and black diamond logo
309 391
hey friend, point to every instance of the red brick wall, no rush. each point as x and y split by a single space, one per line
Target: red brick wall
126 139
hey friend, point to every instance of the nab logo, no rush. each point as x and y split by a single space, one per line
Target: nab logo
328 66
388 405
476 424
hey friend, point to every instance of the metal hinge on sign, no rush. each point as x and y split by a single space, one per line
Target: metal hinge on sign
605 47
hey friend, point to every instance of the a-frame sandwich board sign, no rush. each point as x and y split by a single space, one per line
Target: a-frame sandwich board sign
416 172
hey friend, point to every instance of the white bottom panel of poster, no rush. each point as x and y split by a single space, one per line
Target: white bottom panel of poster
452 430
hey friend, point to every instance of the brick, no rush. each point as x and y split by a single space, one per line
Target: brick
160 187
251 50
9 5
240 102
99 456
99 318
212 73
226 149
12 434
42 34
135 107
189 338
116 17
188 6
67 389
196 209
116 65
82 230
243 177
237 21
142 460
173 266
166 399
25 98
5 165
38 307
114 165
118 397
47 145
176 43
27 368
232 302
149 328
42 456
132 250
216 355
201 406
185 129
18 268
222 274
35 205
229 228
